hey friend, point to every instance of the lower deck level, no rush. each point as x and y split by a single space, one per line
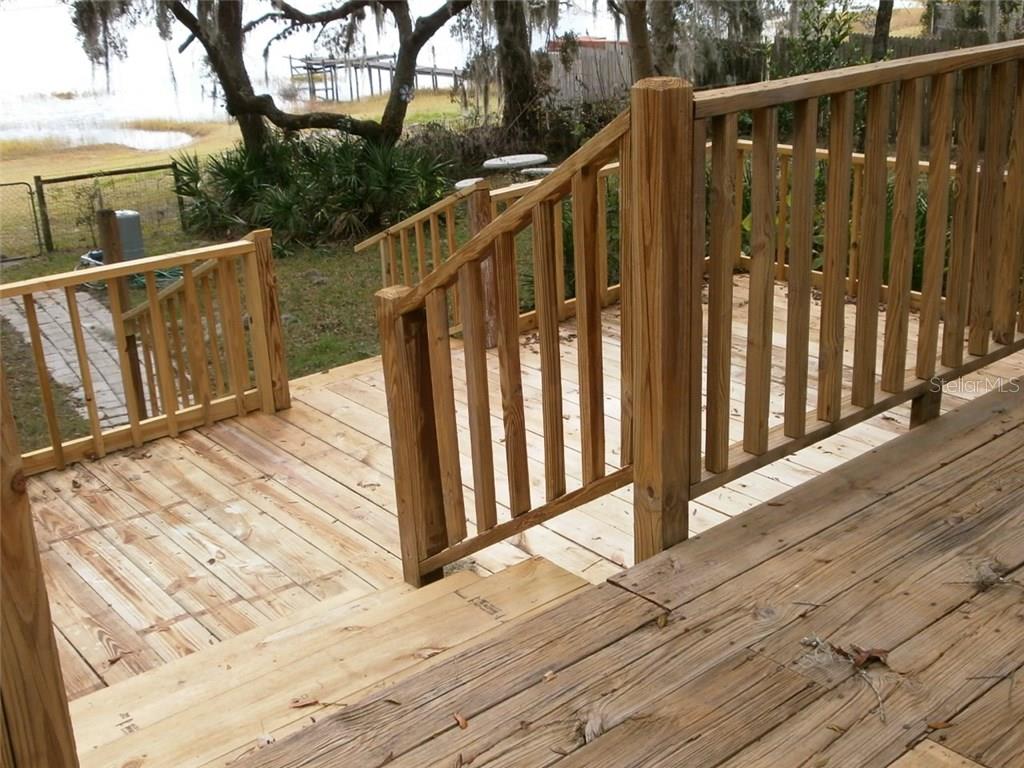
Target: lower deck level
871 617
156 553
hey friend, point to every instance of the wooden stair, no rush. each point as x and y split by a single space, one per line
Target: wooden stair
212 707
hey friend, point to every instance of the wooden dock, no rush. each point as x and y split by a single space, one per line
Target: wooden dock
156 553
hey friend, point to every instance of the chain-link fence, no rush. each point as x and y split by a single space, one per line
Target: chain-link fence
68 204
19 222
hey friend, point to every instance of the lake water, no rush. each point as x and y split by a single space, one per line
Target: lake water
50 90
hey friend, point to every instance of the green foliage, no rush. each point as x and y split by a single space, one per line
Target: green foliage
309 188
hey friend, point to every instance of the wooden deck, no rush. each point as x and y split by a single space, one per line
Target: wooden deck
155 553
872 617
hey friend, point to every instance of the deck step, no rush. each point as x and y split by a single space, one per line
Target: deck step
224 702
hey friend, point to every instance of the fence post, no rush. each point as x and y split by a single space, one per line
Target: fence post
44 214
110 244
664 296
414 449
266 284
479 217
181 202
36 722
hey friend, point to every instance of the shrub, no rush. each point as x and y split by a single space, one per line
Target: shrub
309 187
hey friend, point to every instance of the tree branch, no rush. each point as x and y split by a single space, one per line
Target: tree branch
344 10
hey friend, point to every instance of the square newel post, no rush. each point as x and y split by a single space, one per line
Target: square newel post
422 530
662 306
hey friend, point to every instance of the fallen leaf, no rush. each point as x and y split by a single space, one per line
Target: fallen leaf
861 657
938 725
461 720
304 700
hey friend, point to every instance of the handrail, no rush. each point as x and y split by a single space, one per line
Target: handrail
515 216
123 269
681 222
169 349
770 93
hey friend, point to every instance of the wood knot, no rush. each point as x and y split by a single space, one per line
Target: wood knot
18 482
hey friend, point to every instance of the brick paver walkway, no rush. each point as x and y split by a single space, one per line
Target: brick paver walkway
59 347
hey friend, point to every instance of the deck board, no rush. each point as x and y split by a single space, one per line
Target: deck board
161 551
733 674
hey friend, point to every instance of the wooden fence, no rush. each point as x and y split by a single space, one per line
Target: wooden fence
678 202
205 348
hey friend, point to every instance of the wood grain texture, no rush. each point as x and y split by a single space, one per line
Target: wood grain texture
798 306
937 224
665 292
197 363
471 298
904 237
418 486
762 284
511 375
627 280
837 244
35 707
479 210
233 330
547 301
161 353
1010 260
43 380
988 236
588 320
439 345
85 371
271 309
724 248
965 202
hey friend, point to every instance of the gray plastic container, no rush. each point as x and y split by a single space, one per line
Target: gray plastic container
129 223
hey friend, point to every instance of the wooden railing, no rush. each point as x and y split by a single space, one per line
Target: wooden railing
678 201
205 348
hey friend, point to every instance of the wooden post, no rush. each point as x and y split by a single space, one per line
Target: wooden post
664 295
44 214
926 407
480 217
35 707
113 253
267 282
414 449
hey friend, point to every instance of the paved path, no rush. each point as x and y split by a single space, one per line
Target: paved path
61 357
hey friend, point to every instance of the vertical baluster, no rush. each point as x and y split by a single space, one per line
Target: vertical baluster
757 391
627 280
142 328
407 275
856 228
1011 253
940 126
440 355
82 353
233 331
510 370
724 247
990 207
164 370
471 294
449 219
435 242
698 243
194 343
214 337
588 322
43 376
904 220
602 238
798 305
550 357
392 260
177 351
258 326
385 276
783 218
563 306
837 245
741 169
964 210
421 251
